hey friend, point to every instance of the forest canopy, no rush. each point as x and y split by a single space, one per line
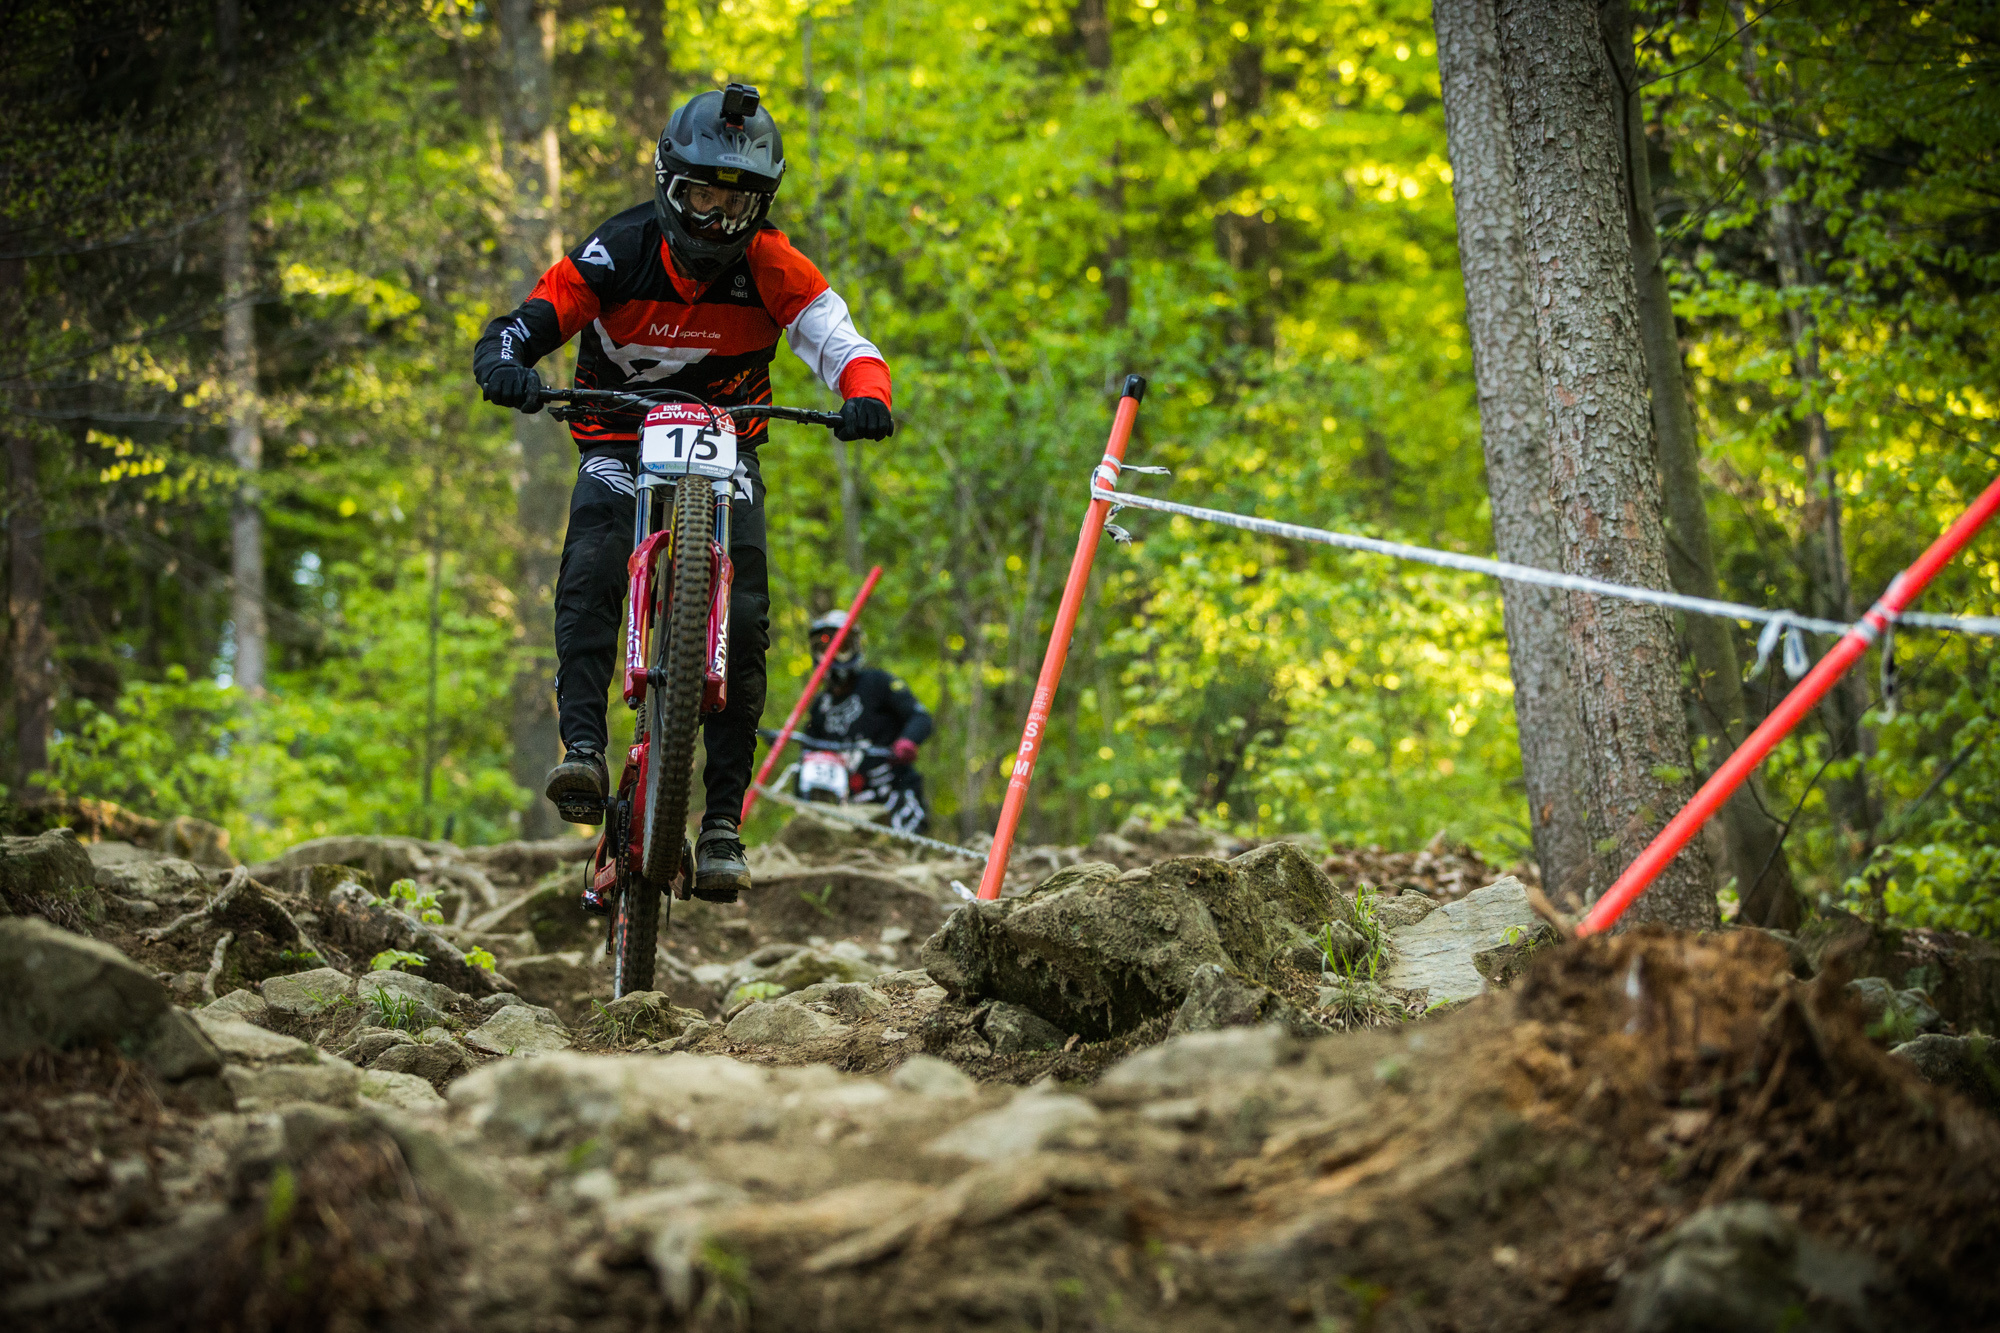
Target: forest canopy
1021 201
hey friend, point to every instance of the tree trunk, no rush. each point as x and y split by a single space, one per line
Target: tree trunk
1514 430
239 377
1755 857
1562 115
1093 24
533 242
653 83
29 650
1843 709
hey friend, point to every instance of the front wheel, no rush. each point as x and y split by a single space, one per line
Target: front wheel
678 655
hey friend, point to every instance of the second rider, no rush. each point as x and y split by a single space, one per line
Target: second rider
689 292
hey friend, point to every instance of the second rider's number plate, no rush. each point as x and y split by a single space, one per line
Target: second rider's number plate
686 438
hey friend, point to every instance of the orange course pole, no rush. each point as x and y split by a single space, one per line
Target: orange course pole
1903 590
812 688
1106 477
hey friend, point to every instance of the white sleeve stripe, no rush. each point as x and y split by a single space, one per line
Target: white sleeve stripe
824 337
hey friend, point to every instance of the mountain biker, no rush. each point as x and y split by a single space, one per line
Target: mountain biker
688 292
868 705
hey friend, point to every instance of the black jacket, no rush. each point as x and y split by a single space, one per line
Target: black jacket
879 710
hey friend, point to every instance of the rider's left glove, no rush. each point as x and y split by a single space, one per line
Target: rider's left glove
514 386
904 752
864 419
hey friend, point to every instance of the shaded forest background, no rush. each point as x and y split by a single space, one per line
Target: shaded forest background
1248 202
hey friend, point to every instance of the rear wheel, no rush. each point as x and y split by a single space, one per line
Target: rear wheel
673 705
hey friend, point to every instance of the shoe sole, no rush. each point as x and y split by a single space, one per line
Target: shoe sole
719 888
577 804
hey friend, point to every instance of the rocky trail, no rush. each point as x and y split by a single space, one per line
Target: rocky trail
1168 1081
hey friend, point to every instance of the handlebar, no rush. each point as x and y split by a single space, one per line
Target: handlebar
622 403
815 743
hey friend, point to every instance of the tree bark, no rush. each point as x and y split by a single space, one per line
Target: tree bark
239 376
1845 706
1562 115
1514 430
1093 23
1755 856
29 648
653 83
533 241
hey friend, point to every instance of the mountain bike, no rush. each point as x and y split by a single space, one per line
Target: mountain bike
676 649
828 771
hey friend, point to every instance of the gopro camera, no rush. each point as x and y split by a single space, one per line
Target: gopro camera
739 102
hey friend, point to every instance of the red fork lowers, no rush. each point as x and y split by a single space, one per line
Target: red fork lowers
1105 477
1903 590
812 688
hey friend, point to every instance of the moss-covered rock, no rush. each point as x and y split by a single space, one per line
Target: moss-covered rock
1098 952
49 875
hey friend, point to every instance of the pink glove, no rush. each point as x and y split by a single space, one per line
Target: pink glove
904 752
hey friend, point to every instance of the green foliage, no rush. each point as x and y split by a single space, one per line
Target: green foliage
390 960
393 1010
481 958
410 898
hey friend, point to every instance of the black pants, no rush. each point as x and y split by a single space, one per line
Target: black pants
590 600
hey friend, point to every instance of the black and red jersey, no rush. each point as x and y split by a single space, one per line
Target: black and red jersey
643 325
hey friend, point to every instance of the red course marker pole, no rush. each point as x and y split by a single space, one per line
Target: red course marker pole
1106 476
812 688
1903 590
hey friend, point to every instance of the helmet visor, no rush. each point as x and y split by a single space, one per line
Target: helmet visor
714 210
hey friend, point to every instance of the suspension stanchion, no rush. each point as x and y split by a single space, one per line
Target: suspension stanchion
1903 590
1104 478
812 688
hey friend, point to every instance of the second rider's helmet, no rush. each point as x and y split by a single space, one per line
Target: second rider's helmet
715 173
820 634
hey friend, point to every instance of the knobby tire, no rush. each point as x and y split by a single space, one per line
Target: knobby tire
679 653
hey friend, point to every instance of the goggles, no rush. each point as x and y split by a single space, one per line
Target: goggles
713 208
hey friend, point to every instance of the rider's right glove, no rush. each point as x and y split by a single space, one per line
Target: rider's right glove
903 752
864 419
514 386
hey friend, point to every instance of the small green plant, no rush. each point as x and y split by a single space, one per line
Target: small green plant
756 990
412 899
396 1011
299 956
481 959
607 1025
389 960
819 901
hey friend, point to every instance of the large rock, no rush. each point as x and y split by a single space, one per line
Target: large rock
554 912
1888 1012
646 1015
435 1062
246 1044
1012 1030
363 926
385 858
63 991
1965 1064
329 1081
405 1092
516 1030
1743 1267
1097 952
781 1023
307 994
133 872
1034 1119
49 875
1437 954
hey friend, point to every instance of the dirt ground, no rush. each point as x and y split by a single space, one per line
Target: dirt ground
1521 1162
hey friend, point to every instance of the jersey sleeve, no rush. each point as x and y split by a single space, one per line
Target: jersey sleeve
815 320
562 302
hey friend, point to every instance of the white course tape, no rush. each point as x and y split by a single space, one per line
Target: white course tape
1546 578
834 814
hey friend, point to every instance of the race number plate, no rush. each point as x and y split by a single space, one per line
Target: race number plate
683 439
821 771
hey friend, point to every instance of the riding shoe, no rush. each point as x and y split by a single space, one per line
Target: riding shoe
720 869
578 786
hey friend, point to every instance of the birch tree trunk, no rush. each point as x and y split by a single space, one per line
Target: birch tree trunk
1514 430
28 648
1562 115
239 377
533 241
1755 856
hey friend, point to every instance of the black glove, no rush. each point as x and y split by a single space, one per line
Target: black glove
514 386
864 419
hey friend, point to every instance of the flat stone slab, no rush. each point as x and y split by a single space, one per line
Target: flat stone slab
247 1044
330 1082
303 994
1435 954
405 1092
515 1030
781 1023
